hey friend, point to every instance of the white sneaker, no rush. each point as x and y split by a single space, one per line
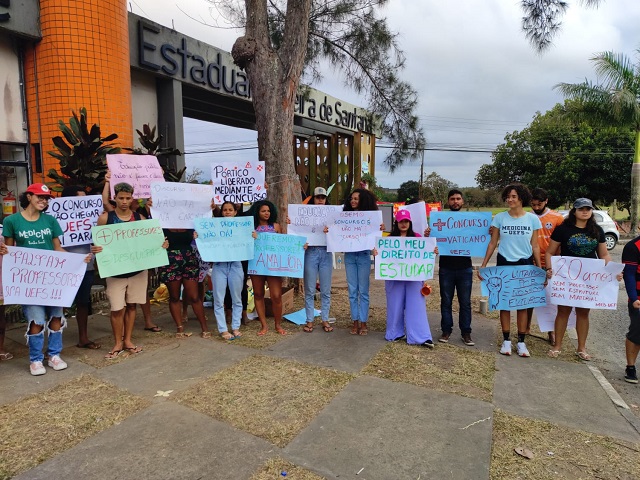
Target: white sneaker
57 363
37 368
522 350
506 348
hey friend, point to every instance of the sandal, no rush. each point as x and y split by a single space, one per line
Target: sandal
227 336
237 334
355 330
113 354
133 350
181 334
154 329
308 327
6 356
363 329
554 353
205 334
326 327
584 356
89 345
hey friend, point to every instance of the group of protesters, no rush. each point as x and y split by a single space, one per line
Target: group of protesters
522 238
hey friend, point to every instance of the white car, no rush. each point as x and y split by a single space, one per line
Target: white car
610 227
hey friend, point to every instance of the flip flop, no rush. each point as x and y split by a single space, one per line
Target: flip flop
308 328
112 355
554 353
584 356
89 345
6 356
133 350
237 334
326 327
205 334
155 328
227 337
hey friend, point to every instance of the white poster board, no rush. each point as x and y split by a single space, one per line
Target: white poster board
405 258
176 205
309 221
238 182
354 231
76 216
418 213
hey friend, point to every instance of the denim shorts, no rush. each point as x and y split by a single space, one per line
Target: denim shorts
40 314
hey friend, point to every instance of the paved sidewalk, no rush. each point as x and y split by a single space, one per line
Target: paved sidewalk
372 429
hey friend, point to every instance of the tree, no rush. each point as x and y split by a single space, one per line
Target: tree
542 20
435 188
614 102
407 190
283 38
567 157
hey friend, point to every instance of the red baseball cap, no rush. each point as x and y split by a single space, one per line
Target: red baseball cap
39 189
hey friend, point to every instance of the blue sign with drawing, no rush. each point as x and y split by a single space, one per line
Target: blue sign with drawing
514 287
461 234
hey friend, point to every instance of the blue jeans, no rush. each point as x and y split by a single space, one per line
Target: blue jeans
231 273
460 280
358 268
317 262
42 315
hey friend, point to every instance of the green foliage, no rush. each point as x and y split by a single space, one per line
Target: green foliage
372 185
435 188
567 157
151 146
408 190
82 154
476 197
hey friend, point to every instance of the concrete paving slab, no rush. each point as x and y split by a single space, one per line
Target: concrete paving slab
338 350
483 331
396 431
164 441
174 367
559 392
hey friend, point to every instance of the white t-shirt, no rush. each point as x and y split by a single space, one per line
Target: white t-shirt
515 234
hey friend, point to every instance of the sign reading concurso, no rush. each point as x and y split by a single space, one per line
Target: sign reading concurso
169 53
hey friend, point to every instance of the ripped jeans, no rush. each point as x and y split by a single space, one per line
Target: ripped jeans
42 315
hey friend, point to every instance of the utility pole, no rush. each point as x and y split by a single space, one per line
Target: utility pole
421 175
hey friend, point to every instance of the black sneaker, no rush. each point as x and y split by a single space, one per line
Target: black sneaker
403 337
444 338
630 375
428 344
466 338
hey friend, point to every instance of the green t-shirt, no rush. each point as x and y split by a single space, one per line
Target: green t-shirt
37 234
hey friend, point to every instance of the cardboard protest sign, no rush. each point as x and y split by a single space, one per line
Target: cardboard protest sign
405 258
137 170
278 255
309 221
546 316
354 231
76 216
176 205
226 239
584 282
418 213
461 234
129 247
514 287
238 182
41 277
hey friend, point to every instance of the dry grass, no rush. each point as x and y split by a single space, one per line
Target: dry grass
251 339
268 397
446 368
275 467
538 344
559 452
68 413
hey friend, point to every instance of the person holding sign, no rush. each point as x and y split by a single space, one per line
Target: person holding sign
358 264
32 228
517 234
265 217
406 309
578 236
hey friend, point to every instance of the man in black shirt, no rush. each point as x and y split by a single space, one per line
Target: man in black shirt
631 260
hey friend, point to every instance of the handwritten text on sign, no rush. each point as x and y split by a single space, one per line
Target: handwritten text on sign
41 277
176 205
226 239
405 258
354 231
139 171
129 247
584 282
238 182
278 255
461 234
310 220
513 287
76 216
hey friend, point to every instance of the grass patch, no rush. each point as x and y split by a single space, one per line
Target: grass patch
447 368
538 344
268 397
276 466
559 452
68 414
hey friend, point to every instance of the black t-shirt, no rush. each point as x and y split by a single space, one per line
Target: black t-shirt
179 240
455 263
577 242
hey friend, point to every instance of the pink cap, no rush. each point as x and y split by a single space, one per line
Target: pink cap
403 215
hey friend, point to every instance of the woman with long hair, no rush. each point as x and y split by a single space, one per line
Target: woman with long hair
578 236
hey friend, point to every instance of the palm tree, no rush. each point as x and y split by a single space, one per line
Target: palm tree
614 102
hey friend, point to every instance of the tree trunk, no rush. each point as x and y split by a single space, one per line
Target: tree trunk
274 77
635 188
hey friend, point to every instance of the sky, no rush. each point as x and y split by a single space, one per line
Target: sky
476 75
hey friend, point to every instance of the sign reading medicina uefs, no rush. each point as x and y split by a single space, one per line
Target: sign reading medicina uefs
405 258
41 277
238 182
129 247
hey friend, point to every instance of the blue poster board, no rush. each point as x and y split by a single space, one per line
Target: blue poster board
461 234
278 255
225 239
514 287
